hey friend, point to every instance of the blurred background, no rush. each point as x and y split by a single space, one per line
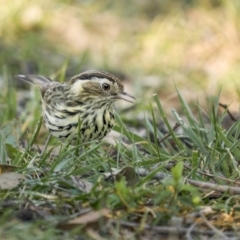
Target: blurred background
152 45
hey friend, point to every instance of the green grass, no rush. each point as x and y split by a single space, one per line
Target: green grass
54 190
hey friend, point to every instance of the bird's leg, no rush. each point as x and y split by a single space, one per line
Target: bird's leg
81 150
46 144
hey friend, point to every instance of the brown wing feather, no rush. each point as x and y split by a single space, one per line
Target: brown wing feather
35 79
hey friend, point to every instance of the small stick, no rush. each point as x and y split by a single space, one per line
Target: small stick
225 106
200 184
168 134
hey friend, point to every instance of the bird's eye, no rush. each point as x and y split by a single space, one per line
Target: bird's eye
105 86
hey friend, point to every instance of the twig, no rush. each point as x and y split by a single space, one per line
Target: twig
189 231
214 229
205 185
229 113
213 186
169 134
166 229
213 176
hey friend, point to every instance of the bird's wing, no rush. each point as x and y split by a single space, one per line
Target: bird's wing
35 79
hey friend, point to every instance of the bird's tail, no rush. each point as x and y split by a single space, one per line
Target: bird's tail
35 79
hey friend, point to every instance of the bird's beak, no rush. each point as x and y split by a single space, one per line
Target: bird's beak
125 96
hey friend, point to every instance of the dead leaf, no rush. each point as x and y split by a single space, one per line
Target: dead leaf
82 184
130 175
91 219
10 180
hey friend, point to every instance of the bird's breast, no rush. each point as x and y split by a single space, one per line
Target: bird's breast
95 123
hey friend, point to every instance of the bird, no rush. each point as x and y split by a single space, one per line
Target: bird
82 107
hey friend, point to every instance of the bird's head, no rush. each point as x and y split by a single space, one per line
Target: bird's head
98 85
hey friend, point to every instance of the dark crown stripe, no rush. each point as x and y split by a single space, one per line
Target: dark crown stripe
90 75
